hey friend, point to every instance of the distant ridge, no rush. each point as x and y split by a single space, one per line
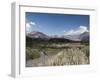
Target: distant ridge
81 37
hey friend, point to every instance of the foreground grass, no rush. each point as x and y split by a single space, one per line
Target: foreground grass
60 54
72 56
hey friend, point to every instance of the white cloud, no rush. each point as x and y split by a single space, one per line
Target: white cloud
32 23
77 31
30 26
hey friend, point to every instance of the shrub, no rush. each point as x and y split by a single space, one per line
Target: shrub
31 53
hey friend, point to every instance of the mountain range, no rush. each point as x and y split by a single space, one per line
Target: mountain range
80 37
36 34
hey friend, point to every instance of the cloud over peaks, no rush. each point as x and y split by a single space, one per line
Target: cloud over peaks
77 31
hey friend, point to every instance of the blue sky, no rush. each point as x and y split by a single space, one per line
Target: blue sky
56 24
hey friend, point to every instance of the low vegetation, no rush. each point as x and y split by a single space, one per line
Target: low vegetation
58 52
32 53
72 56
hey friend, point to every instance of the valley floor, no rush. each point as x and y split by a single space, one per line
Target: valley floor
73 55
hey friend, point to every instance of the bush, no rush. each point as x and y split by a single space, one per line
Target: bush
32 53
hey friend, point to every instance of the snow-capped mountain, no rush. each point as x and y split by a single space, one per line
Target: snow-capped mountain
84 36
36 34
72 37
80 37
